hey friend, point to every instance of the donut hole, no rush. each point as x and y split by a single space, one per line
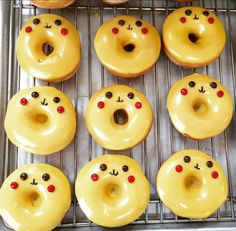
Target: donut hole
34 199
120 117
129 47
47 49
113 191
192 182
193 37
41 118
200 107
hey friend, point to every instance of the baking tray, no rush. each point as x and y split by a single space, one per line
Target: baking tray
163 139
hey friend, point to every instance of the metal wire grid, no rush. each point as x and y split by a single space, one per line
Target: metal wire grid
163 139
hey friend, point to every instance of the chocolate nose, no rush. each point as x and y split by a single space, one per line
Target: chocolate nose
44 102
119 100
197 167
34 182
202 90
114 173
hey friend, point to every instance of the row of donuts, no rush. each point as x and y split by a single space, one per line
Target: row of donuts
126 46
112 191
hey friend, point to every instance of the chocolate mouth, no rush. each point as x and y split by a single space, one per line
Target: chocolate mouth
129 27
193 37
44 102
195 17
34 182
202 90
114 173
119 100
47 26
197 167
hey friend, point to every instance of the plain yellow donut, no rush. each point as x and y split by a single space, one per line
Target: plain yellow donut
52 4
112 190
193 36
192 184
123 102
40 120
35 197
57 32
126 46
199 106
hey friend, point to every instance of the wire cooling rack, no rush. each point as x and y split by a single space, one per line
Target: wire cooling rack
163 139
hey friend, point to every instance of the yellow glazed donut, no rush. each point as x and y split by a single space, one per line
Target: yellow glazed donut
112 190
118 117
193 36
192 184
57 32
199 106
127 46
51 4
40 120
35 197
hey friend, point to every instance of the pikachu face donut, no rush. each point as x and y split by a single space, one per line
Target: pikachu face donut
199 106
63 41
112 190
52 4
35 197
118 117
192 184
127 46
193 36
40 120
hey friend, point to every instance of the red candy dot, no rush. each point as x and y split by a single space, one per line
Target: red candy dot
179 168
23 101
115 30
14 185
60 109
182 20
94 177
214 174
131 179
28 29
211 20
144 30
138 105
184 91
220 93
51 188
101 104
64 31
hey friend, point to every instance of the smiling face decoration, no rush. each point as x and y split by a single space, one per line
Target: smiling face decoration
118 117
189 178
40 120
199 106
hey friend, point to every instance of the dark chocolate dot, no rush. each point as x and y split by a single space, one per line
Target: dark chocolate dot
125 168
23 176
187 159
45 177
188 12
56 99
209 164
130 95
121 22
36 21
108 95
213 85
205 12
103 167
138 23
192 84
35 94
58 22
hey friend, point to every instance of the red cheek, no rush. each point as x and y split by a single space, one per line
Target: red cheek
144 30
14 185
178 168
64 31
51 188
182 20
138 105
184 91
60 109
28 29
131 179
115 30
211 20
94 177
101 104
214 174
220 93
23 101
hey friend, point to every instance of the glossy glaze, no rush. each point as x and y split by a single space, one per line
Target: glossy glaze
110 50
112 200
30 206
192 192
63 62
37 126
101 123
114 1
52 4
201 113
180 49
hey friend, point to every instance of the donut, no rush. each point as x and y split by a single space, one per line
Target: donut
199 106
193 37
127 46
34 197
112 190
59 37
113 2
118 117
192 184
40 120
52 4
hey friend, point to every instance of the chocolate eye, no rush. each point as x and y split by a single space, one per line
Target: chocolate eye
213 85
138 23
35 94
58 22
192 84
209 164
103 167
108 95
121 22
36 21
125 168
23 176
188 12
56 99
187 159
45 177
205 12
130 95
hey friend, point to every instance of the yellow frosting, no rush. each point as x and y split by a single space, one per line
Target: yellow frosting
196 191
208 39
108 131
110 46
51 4
201 113
114 197
30 206
63 62
37 126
